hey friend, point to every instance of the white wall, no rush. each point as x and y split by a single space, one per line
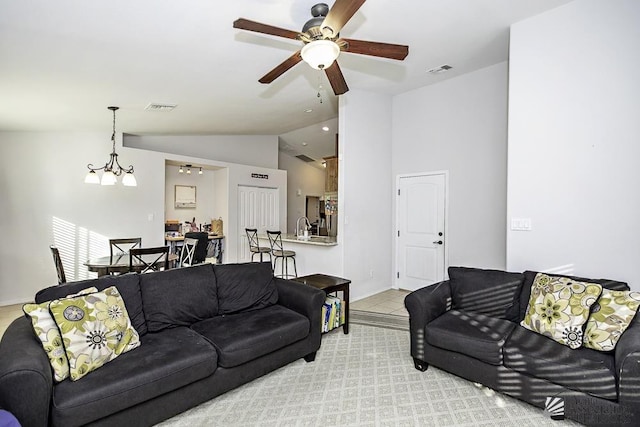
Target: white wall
205 195
303 178
253 150
365 191
45 201
460 125
574 132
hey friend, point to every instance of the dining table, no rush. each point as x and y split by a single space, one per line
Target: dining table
174 241
119 263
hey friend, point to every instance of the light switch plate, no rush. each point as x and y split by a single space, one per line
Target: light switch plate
521 224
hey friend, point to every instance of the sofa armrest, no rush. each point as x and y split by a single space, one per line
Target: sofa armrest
425 305
26 381
627 357
303 299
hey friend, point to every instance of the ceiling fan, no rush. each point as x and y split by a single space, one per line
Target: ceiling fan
322 42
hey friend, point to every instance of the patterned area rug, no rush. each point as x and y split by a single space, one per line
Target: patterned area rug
365 378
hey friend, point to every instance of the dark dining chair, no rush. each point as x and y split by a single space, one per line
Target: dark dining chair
254 245
59 267
145 260
278 252
123 246
201 248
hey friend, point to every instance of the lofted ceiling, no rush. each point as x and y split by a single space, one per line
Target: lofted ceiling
63 62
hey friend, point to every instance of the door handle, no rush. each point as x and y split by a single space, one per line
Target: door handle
437 242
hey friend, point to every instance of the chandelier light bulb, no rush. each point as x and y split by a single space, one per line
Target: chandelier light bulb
108 178
129 180
92 178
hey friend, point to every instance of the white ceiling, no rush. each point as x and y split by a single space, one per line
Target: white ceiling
63 62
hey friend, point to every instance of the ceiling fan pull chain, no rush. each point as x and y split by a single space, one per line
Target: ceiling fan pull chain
319 85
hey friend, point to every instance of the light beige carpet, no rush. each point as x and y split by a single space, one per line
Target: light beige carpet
365 378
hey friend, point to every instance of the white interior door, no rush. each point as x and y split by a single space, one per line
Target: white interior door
421 240
258 208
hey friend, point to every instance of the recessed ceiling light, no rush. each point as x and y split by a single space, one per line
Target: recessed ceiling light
325 128
308 110
304 144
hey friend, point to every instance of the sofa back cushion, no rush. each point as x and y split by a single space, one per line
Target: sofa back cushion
489 292
530 276
179 297
244 287
128 287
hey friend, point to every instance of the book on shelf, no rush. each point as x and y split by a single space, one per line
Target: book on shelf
332 313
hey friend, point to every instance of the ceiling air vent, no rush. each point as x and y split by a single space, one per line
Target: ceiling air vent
441 69
160 107
305 158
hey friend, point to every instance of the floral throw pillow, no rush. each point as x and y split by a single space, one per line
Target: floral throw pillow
47 332
559 308
95 329
611 316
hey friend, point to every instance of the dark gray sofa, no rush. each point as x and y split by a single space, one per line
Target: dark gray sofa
469 326
204 330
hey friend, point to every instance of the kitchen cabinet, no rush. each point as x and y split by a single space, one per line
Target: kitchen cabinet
331 174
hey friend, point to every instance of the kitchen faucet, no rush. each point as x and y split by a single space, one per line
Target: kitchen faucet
307 226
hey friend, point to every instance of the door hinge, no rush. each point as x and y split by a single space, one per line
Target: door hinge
398 233
398 274
398 191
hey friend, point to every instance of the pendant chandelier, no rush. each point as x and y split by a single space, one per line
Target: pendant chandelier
112 168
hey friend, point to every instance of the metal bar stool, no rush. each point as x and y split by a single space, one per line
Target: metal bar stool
254 245
275 240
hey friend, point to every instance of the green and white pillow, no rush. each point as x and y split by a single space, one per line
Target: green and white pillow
47 332
559 308
95 329
611 316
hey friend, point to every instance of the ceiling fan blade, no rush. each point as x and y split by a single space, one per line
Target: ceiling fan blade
383 50
281 69
338 83
245 24
340 13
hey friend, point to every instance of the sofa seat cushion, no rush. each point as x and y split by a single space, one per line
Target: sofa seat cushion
581 369
245 336
472 334
165 361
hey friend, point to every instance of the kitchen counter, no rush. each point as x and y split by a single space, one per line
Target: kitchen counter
312 240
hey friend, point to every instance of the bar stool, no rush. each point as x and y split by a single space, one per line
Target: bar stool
275 240
254 246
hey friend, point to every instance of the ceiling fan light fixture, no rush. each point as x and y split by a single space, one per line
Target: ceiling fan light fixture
320 54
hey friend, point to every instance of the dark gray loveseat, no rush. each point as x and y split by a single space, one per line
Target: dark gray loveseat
204 330
469 326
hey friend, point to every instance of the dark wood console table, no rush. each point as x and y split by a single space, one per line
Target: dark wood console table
330 284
